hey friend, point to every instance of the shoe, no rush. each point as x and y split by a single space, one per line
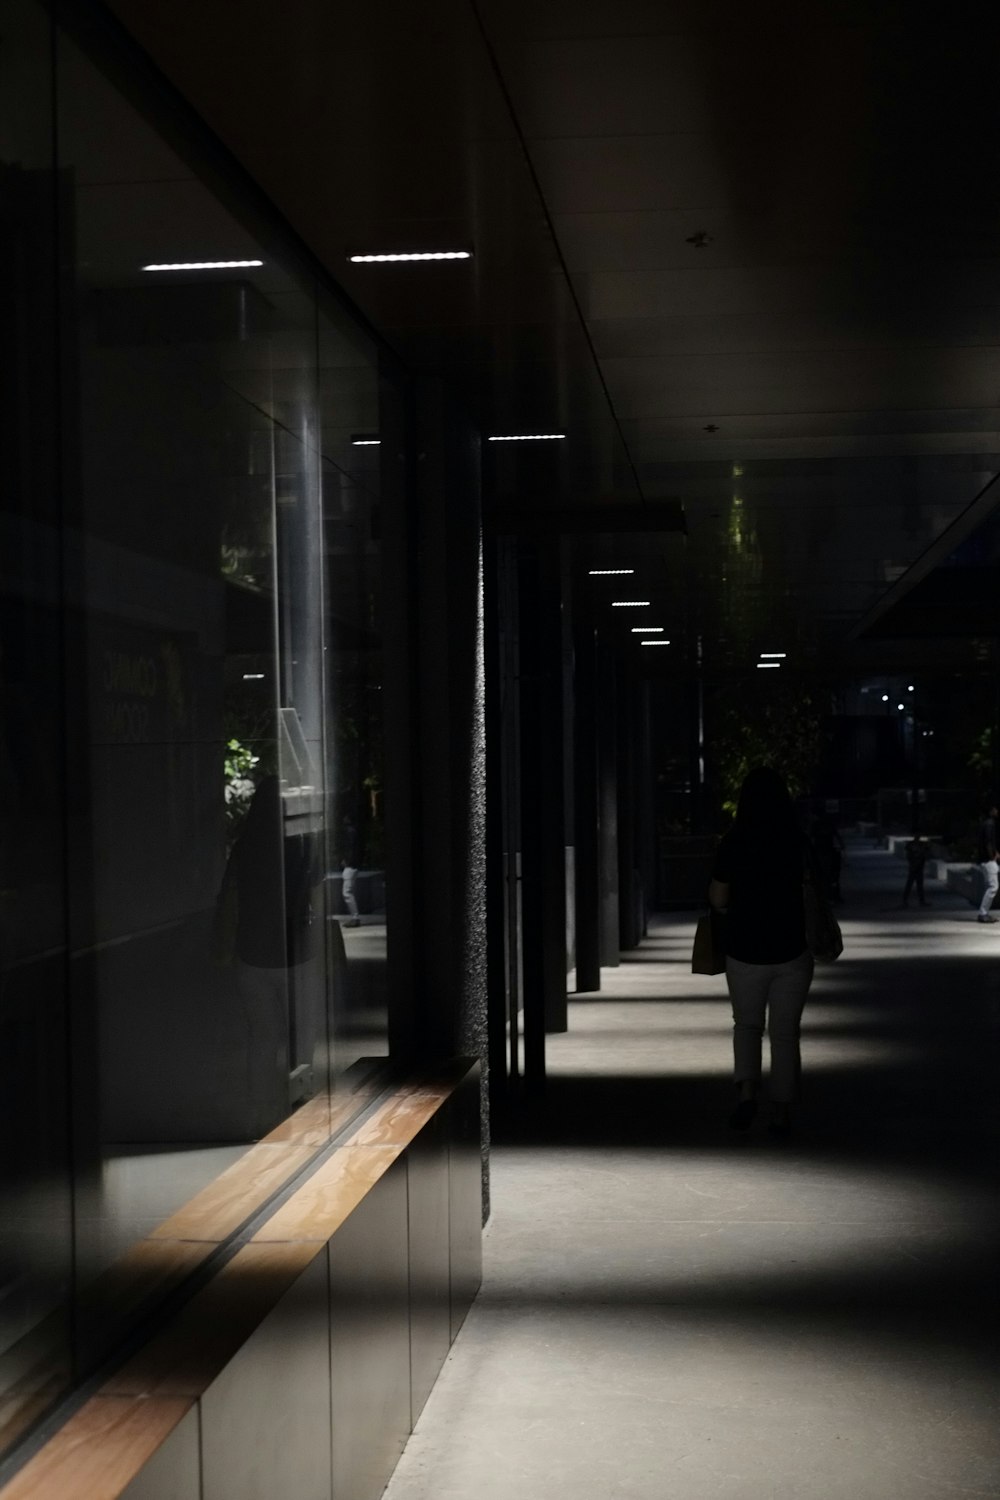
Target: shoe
780 1123
743 1115
981 918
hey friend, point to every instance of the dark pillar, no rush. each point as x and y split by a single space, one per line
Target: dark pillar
449 961
496 848
568 607
506 744
587 809
543 839
645 805
629 933
607 760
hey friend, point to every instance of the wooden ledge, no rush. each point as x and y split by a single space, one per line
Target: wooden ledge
398 1120
223 1205
153 1267
101 1449
319 1207
194 1348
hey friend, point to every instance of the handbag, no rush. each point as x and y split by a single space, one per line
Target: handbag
708 956
824 938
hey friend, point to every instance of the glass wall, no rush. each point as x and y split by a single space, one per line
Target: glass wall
192 874
36 1246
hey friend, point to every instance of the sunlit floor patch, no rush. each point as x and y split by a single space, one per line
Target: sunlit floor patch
671 1312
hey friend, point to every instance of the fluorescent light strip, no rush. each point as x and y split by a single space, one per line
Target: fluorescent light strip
203 265
762 666
647 629
366 442
773 654
606 572
253 677
535 437
415 255
630 604
654 643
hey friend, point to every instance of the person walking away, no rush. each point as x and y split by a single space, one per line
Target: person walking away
757 881
917 851
988 863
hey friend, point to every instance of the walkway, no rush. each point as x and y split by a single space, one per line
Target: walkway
672 1313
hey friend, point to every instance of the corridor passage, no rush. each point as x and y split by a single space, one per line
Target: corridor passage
670 1312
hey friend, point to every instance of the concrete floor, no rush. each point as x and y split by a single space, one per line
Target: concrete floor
670 1312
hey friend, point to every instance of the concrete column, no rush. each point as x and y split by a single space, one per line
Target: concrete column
629 926
587 805
496 843
543 839
645 804
448 961
607 760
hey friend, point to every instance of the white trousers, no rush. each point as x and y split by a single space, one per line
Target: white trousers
775 994
990 870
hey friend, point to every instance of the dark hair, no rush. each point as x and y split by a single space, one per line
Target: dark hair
764 807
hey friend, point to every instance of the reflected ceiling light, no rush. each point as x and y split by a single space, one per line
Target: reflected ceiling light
773 655
533 437
630 604
604 572
910 688
414 255
203 265
647 629
366 442
762 666
654 643
253 677
901 707
885 697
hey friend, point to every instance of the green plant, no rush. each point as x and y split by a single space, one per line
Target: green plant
239 763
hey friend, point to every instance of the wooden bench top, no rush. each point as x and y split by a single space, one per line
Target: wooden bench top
104 1445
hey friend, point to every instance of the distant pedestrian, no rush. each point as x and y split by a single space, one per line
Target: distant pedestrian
988 863
917 851
757 881
349 875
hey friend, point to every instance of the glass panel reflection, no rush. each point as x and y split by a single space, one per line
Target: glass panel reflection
35 1209
192 802
352 483
226 797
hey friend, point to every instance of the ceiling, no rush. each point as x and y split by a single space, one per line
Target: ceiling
747 258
